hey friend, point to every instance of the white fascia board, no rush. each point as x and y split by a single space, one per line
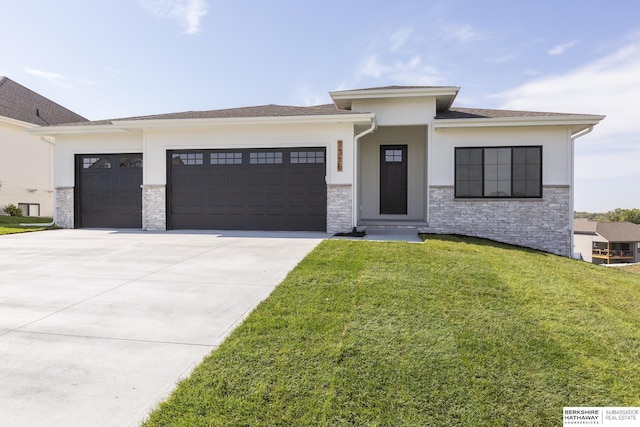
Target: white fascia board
15 122
75 130
578 122
394 93
364 118
342 99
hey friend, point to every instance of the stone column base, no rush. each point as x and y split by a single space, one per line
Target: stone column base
64 207
154 207
339 208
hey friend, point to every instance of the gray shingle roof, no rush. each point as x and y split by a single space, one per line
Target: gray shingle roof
19 103
270 110
612 231
483 113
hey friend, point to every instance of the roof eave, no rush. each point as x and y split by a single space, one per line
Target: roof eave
16 122
578 123
130 125
343 98
74 130
244 121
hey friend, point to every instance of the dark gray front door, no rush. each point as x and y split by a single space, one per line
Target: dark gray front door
108 193
247 189
393 179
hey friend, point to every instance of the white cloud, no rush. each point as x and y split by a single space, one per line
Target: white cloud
412 72
464 33
609 156
309 97
187 12
561 48
53 78
400 37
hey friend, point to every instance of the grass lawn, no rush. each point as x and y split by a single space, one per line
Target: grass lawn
11 224
633 268
450 332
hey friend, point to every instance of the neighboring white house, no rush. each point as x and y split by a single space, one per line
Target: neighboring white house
393 156
26 175
607 242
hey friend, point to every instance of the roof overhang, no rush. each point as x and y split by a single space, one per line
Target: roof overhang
444 95
137 125
14 122
577 123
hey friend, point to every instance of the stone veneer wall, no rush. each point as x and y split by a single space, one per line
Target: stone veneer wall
543 224
64 207
339 208
154 207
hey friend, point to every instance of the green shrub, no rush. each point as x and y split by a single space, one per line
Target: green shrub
12 210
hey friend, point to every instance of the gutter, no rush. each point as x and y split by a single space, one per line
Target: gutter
354 190
573 189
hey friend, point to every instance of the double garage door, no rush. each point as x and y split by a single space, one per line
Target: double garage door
248 189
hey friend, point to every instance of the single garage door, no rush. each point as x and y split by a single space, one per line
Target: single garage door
108 192
248 189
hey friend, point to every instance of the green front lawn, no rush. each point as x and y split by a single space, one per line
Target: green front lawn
450 332
11 224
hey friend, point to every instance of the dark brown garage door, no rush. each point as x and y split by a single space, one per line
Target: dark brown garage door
249 189
108 192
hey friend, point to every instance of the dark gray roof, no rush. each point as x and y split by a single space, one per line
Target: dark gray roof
270 110
611 231
19 103
483 113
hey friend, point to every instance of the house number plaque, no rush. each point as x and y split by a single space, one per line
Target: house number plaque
339 155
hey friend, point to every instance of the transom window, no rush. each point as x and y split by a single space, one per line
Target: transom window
131 161
265 158
497 172
307 157
393 156
226 158
188 159
96 163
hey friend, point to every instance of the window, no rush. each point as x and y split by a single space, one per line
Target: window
307 157
134 161
265 158
30 209
498 172
225 158
393 156
96 163
188 159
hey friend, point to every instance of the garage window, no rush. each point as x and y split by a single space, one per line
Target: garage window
96 163
187 159
265 158
307 157
131 161
225 158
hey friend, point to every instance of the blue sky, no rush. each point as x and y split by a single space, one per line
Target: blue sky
134 57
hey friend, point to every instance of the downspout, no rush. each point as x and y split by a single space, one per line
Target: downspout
354 190
572 181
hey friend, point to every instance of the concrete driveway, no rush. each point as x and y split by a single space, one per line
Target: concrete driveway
97 326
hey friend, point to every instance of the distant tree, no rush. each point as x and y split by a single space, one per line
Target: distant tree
622 215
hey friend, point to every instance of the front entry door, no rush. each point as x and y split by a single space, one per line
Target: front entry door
393 179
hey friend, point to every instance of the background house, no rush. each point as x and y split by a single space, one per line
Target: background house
607 242
26 160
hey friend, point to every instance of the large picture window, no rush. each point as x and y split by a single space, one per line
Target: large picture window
499 172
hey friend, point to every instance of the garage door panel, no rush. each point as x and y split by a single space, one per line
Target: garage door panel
265 192
109 193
